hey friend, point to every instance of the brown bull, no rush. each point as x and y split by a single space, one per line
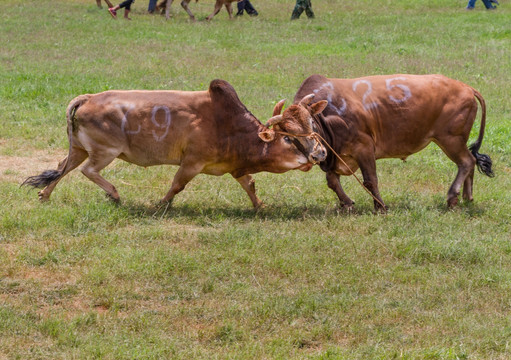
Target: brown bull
164 7
394 116
208 132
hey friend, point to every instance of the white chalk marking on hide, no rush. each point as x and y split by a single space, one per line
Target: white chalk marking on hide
165 125
330 89
407 94
126 108
366 105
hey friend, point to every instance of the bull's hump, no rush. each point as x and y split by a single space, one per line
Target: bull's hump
225 98
221 88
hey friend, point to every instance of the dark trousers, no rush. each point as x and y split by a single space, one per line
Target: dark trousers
126 4
152 6
247 6
302 5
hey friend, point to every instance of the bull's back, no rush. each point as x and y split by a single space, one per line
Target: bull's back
145 127
401 112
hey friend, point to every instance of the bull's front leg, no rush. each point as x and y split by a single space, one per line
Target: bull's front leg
367 165
167 9
248 184
228 7
218 6
334 183
183 176
184 4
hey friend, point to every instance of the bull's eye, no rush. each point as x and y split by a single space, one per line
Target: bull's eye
287 139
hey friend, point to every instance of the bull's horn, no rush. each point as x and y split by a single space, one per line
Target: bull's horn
278 108
306 100
273 120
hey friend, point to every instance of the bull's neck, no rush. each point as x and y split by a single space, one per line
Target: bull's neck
251 154
325 131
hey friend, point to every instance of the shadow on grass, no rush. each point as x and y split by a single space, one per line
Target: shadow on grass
214 212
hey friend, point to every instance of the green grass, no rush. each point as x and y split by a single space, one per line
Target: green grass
209 278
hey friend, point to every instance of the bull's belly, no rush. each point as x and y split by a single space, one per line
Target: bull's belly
145 160
400 150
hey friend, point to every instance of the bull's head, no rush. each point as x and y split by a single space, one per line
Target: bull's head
294 128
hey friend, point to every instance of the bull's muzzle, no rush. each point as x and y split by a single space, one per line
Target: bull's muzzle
318 153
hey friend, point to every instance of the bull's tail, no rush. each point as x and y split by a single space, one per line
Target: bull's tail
43 179
483 161
48 176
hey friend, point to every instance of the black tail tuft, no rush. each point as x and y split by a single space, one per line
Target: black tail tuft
43 179
483 161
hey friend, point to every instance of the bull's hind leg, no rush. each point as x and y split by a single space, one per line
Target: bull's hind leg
248 184
76 157
456 149
468 186
97 162
183 176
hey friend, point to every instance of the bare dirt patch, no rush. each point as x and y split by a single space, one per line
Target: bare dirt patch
17 168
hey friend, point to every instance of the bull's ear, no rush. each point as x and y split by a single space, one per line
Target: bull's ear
267 135
318 107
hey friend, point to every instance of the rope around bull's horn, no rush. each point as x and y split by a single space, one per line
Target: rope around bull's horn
319 138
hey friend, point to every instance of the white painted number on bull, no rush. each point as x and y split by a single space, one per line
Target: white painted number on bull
126 108
367 105
406 90
330 89
165 125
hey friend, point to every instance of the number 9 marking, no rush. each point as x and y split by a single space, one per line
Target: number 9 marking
165 125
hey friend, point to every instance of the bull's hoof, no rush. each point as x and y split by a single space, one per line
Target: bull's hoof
467 198
165 202
42 196
381 210
192 18
112 198
452 202
259 206
347 208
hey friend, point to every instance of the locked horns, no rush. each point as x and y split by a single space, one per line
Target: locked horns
307 100
273 120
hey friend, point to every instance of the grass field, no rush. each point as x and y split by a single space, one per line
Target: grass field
209 278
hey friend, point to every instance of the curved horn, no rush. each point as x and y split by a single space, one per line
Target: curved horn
306 100
274 120
278 108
